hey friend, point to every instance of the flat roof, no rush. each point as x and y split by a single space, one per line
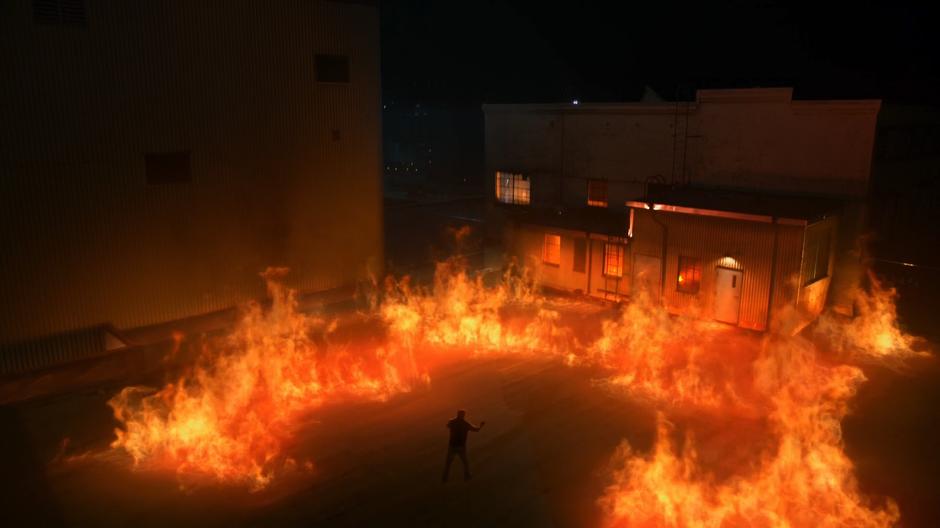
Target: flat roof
722 96
807 107
738 205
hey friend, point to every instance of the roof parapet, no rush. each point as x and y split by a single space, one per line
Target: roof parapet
745 95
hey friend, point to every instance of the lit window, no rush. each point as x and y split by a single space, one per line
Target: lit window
613 260
597 193
551 249
512 188
690 275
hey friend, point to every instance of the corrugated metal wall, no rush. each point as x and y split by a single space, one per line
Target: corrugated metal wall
286 171
720 242
52 350
787 278
717 242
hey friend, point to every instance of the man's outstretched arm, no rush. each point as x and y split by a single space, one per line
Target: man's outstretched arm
475 428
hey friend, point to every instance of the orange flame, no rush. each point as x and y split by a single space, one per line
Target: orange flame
874 333
459 311
230 416
803 479
654 355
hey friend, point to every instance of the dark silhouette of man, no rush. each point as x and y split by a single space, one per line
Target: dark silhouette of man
458 443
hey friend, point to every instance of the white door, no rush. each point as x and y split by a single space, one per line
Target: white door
728 294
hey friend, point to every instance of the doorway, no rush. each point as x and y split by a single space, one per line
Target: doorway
646 275
728 295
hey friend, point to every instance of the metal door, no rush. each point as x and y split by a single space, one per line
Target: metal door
728 294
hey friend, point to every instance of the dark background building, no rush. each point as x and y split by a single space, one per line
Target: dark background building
156 156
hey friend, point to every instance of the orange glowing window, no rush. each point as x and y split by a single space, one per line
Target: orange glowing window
613 260
551 249
690 275
597 193
512 188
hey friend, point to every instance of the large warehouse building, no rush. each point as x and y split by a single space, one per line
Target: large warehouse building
156 156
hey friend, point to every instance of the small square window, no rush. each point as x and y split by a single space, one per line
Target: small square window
168 167
332 68
613 260
597 193
689 277
512 188
551 249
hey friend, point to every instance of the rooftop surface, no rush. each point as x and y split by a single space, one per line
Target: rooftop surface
747 205
654 104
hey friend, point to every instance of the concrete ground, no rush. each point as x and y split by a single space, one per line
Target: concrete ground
540 461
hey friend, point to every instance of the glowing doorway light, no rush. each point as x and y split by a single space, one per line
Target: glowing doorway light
729 262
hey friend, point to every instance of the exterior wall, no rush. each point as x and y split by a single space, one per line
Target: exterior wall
622 144
527 143
526 245
621 148
772 281
285 170
750 246
788 274
757 139
762 140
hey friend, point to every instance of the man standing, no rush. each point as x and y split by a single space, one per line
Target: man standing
458 443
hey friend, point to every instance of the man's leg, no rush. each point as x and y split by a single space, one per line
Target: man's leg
449 459
466 465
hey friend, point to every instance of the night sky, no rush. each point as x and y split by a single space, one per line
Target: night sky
488 51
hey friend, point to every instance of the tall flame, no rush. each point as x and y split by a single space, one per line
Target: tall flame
654 355
804 477
874 333
459 311
232 415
